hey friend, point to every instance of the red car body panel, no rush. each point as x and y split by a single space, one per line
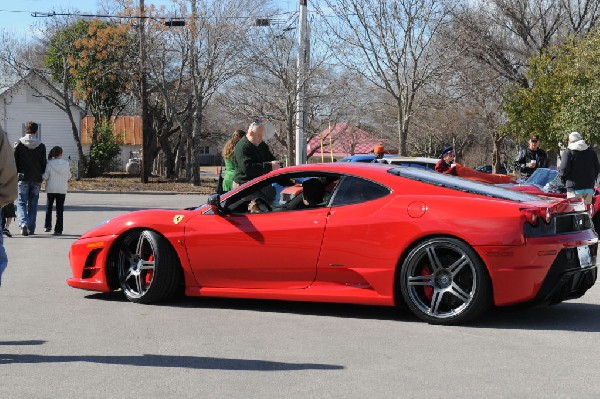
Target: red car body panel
348 254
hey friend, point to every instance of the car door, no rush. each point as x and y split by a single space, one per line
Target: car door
271 250
353 245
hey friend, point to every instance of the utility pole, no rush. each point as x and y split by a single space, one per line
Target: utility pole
303 60
145 169
198 87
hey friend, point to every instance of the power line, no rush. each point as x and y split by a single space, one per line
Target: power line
49 14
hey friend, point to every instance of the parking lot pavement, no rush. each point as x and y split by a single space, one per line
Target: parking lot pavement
59 342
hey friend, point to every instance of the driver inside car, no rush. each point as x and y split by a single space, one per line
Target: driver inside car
313 193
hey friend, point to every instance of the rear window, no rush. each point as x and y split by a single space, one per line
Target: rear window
461 184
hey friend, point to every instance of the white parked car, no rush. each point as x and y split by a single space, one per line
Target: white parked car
415 162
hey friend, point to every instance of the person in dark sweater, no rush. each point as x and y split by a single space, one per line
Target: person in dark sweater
252 156
30 157
579 168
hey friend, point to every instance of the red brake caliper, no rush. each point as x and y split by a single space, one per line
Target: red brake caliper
427 289
149 273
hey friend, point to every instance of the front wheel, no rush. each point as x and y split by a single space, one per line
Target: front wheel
148 268
443 281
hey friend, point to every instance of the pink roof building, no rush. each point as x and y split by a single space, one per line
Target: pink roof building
343 140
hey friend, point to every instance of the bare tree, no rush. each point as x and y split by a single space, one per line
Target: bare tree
389 43
215 56
268 84
496 39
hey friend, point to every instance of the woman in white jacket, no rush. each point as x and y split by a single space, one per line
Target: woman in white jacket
57 175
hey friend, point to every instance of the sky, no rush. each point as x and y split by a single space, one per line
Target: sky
15 16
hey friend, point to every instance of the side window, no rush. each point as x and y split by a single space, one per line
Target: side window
354 190
290 192
259 198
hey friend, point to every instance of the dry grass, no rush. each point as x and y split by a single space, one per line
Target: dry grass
120 182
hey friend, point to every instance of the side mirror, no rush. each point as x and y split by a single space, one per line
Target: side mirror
214 202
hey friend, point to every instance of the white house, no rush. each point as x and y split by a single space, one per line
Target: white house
22 102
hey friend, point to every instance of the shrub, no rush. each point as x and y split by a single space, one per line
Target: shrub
104 148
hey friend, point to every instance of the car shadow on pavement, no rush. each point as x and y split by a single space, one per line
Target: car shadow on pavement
274 306
189 362
22 343
566 316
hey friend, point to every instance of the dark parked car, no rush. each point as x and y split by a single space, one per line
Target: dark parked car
488 169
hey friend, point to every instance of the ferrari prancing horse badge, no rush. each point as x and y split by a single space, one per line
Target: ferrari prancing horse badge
177 219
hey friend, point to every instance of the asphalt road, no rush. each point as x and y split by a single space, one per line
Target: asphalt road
59 342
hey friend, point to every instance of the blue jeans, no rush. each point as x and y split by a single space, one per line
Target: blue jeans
27 203
3 257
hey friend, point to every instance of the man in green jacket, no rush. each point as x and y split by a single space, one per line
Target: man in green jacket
8 187
252 156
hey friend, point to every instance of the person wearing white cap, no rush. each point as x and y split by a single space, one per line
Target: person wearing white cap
579 168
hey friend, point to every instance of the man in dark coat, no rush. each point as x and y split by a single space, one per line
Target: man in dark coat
531 158
579 168
30 157
252 156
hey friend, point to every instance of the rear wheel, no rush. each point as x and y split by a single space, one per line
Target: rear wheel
443 281
596 221
148 268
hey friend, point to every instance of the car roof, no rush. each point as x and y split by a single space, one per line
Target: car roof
387 174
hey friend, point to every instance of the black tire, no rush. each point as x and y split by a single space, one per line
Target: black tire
596 221
443 281
148 268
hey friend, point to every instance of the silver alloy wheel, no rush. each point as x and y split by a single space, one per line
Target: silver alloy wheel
441 279
137 264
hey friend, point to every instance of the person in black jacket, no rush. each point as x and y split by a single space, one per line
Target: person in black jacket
531 158
30 157
579 168
252 156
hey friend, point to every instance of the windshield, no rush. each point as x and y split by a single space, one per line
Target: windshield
545 179
461 184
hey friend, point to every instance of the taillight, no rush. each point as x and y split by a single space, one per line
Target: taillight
547 215
532 215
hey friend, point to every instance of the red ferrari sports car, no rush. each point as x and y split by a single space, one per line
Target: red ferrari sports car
446 247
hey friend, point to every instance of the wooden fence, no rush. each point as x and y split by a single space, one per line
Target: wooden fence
127 128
